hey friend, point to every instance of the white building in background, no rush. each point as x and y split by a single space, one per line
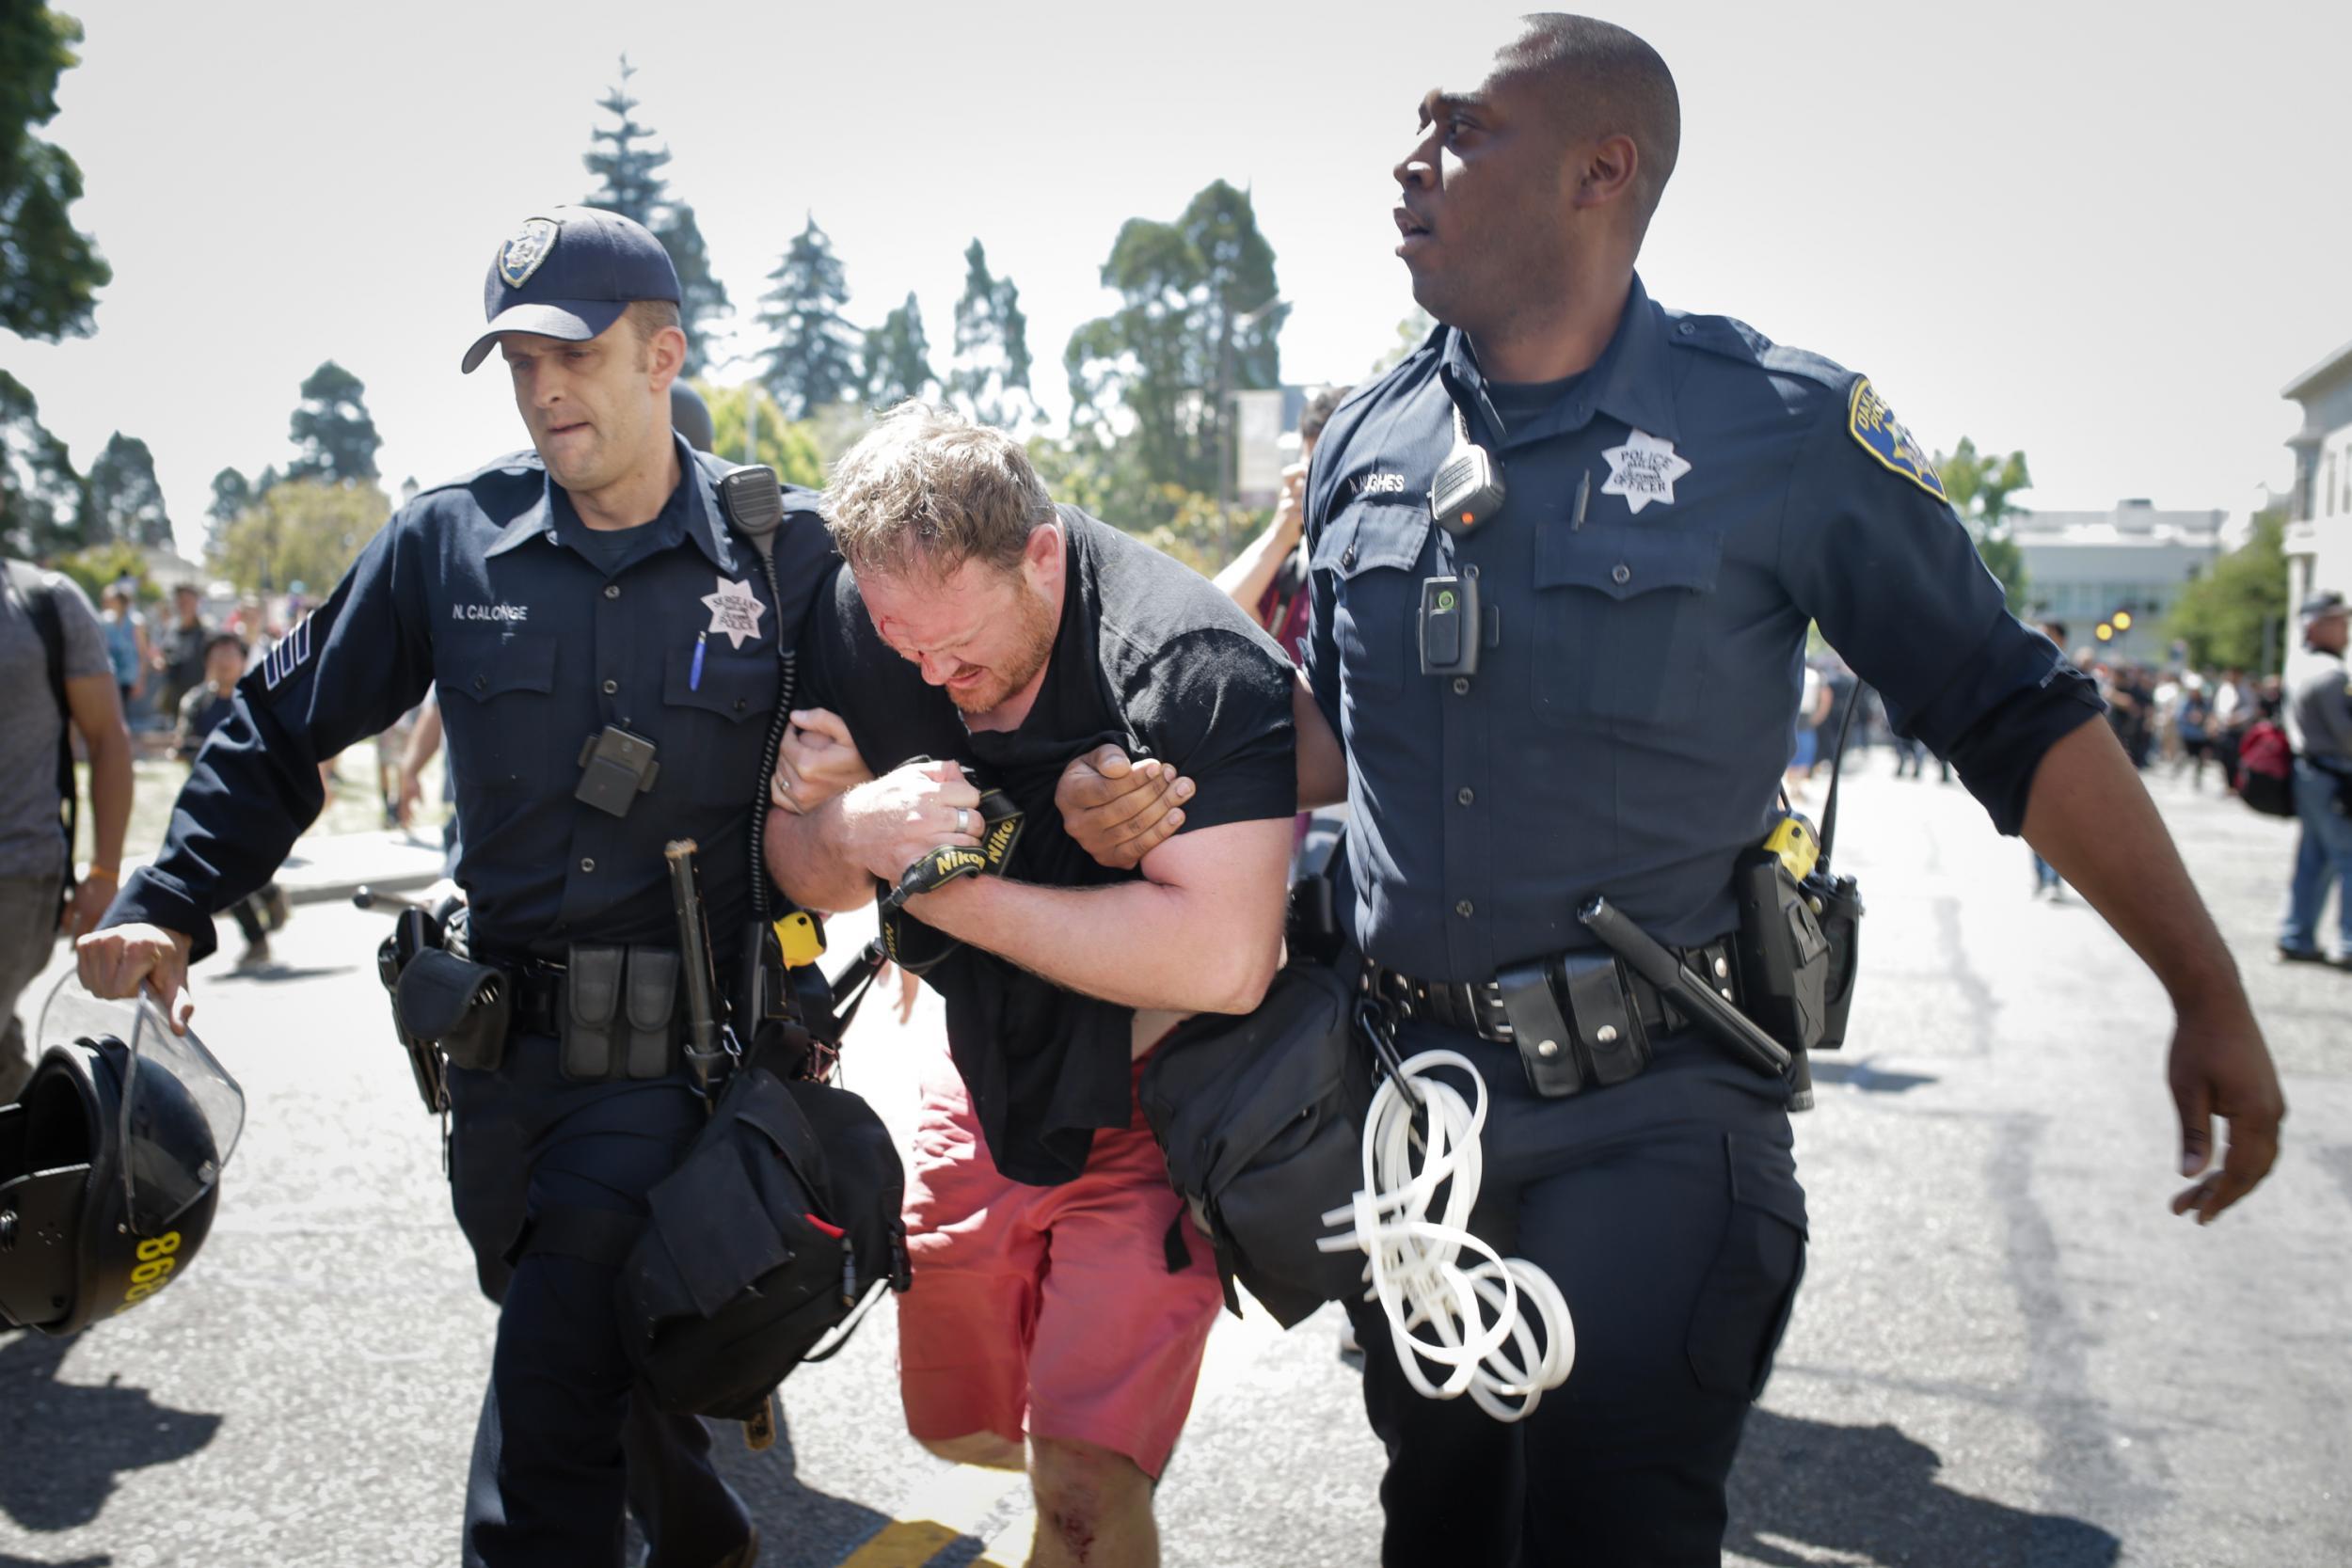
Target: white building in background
2081 567
2319 519
2319 502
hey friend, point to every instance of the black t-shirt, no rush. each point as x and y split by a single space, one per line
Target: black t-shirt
1149 655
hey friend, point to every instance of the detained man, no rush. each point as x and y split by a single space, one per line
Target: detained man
980 624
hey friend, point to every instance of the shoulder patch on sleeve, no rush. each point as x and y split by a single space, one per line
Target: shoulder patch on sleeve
1872 423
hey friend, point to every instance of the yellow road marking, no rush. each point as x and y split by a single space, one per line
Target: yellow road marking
901 1544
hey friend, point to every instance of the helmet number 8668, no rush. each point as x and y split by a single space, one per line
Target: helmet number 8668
154 1266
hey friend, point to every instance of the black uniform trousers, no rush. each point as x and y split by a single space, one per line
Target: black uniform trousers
1667 1211
564 1432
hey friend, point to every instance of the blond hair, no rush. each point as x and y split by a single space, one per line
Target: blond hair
928 490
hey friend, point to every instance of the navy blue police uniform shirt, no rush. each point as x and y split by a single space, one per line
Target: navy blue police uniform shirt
540 632
1149 655
1627 732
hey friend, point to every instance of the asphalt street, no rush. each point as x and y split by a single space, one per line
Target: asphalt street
2007 1350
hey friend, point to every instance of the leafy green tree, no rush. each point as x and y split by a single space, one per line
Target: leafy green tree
44 504
1411 333
2224 614
126 503
989 377
1198 319
334 437
1981 485
898 358
97 567
232 493
628 168
813 360
787 447
306 530
50 271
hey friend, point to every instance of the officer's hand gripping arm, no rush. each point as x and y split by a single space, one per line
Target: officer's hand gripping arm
1118 810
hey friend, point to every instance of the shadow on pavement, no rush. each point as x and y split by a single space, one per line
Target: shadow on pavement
1860 1074
1871 1494
799 1528
83 1437
271 973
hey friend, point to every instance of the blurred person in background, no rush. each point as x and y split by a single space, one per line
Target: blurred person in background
1269 577
127 648
202 711
51 646
180 652
2319 721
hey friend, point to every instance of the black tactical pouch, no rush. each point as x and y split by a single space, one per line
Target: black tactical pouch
1784 956
620 1013
463 1007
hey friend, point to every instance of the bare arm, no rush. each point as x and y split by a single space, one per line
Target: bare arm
2089 816
1245 579
1321 764
1202 932
95 709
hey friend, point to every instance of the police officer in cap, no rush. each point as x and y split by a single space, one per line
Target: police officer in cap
560 596
1579 678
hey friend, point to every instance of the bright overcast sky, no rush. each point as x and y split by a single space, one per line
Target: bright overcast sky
2073 228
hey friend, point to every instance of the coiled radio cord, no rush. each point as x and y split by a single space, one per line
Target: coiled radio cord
1498 1329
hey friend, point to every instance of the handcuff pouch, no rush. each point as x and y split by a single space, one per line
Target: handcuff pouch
1609 1032
1547 1045
463 1006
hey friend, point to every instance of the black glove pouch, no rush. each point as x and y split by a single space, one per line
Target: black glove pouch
620 1013
462 1007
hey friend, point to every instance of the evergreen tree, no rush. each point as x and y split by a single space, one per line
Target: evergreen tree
628 166
990 377
43 503
126 503
333 435
232 493
703 299
1198 320
897 358
50 272
813 360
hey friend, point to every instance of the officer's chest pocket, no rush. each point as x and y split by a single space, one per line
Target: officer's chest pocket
494 694
1620 621
714 726
1373 549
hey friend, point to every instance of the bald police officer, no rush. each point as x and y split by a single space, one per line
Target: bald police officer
558 596
1676 498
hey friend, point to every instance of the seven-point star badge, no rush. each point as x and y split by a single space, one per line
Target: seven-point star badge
1643 470
734 611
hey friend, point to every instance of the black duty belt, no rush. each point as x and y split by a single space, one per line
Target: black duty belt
1477 1007
537 988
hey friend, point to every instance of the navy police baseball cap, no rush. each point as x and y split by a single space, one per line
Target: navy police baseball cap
570 275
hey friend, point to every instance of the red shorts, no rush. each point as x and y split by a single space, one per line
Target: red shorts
1048 1311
